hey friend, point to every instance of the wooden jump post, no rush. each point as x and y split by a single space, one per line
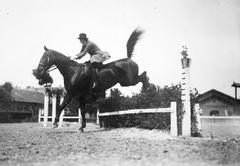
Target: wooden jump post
186 122
172 110
46 108
198 112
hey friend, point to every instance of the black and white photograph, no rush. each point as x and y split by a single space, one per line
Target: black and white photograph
120 82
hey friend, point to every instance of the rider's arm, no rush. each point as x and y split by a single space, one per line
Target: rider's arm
85 49
80 55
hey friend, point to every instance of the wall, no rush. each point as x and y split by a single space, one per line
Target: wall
224 121
215 104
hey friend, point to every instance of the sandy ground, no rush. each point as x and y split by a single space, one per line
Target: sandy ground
31 144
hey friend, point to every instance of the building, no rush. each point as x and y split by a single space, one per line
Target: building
25 104
215 103
236 85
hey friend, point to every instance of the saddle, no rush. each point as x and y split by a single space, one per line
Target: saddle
91 69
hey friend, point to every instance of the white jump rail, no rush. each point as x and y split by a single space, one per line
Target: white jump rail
172 110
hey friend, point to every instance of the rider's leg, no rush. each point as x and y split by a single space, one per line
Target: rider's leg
94 71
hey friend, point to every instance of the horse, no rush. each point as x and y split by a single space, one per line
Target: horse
77 81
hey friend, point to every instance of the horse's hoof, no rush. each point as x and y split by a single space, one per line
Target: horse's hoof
81 130
54 126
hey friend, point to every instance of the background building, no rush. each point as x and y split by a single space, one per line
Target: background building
215 103
24 105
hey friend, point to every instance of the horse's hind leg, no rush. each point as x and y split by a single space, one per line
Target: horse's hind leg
142 78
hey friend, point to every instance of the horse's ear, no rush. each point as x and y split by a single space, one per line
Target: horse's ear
45 48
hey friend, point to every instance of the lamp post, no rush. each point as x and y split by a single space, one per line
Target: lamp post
186 122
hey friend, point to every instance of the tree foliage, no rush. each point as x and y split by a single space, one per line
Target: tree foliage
5 95
8 87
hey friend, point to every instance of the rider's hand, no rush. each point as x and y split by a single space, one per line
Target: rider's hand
76 58
73 57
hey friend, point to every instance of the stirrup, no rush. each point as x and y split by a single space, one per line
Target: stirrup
94 84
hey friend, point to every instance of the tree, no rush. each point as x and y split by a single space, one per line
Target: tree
112 103
5 95
8 87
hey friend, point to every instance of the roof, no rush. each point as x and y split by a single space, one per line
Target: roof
236 84
215 93
28 96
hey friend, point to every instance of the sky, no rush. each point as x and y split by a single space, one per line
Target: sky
209 28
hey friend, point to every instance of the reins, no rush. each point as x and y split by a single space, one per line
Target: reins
52 68
55 67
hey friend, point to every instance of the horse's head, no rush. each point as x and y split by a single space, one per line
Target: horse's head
46 62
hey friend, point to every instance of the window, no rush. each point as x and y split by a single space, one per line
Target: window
214 113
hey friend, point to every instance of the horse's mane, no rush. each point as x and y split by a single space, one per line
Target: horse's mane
132 41
66 58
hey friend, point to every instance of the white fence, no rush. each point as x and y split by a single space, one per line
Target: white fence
62 117
215 120
172 110
220 120
43 113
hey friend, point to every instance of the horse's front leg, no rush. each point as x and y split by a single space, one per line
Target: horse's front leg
82 107
65 102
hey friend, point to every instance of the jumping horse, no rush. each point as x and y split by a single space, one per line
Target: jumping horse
77 81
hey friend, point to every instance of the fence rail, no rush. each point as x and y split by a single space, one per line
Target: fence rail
138 111
172 110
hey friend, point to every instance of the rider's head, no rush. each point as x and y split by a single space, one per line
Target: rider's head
82 37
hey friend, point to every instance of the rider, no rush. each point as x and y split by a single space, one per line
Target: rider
97 55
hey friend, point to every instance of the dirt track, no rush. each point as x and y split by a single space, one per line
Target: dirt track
30 144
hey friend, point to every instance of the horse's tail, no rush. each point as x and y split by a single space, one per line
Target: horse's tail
135 36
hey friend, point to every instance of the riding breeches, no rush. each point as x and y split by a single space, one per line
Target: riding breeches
99 58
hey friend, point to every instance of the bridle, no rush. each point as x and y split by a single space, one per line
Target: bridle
53 67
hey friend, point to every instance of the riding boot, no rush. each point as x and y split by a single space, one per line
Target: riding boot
94 77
